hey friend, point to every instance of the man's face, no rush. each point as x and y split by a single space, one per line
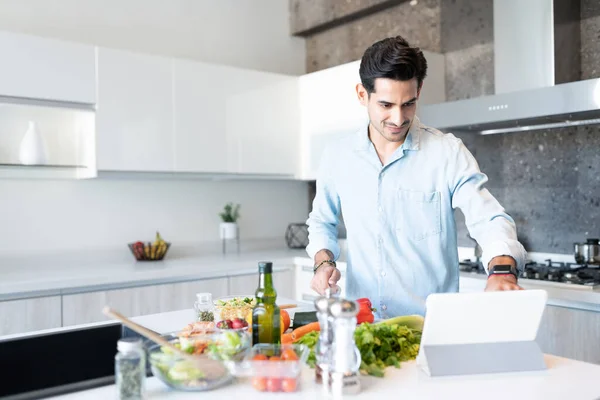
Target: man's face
391 107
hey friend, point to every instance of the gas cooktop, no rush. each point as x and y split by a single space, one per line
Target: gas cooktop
551 272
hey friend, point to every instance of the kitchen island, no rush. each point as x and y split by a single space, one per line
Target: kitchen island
564 379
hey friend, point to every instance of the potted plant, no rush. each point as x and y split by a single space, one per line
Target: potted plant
229 226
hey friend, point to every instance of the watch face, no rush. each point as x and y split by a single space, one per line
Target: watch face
502 269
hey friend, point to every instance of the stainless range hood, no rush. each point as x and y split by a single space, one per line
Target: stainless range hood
527 97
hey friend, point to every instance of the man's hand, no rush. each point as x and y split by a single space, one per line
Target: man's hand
326 276
502 282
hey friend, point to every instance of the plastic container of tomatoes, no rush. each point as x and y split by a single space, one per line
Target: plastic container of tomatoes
273 368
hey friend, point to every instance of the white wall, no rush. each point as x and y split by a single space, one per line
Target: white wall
54 215
245 33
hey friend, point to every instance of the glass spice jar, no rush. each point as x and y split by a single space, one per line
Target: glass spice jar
130 369
205 309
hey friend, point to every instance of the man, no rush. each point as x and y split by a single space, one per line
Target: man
398 183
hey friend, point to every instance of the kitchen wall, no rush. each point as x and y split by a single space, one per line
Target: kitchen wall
547 180
40 215
244 33
66 215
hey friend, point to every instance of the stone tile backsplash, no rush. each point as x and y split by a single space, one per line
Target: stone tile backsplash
345 43
590 39
550 184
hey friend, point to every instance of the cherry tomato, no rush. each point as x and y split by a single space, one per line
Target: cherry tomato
259 357
273 384
289 384
289 355
259 383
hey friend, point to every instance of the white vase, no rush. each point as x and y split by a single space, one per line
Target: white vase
228 230
33 149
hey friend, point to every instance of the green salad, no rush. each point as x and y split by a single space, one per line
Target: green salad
227 346
381 345
237 302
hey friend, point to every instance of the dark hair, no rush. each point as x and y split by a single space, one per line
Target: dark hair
392 58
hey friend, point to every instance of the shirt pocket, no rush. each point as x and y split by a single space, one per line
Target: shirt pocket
419 214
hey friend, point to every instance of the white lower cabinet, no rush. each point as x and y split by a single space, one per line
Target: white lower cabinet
285 283
87 307
570 333
19 316
245 285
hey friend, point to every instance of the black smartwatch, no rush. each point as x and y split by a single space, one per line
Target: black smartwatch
503 269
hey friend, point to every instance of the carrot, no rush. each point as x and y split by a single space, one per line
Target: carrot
286 338
303 330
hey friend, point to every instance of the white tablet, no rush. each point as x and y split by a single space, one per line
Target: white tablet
484 332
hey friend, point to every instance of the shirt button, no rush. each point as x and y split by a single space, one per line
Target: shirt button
384 307
380 209
380 240
383 273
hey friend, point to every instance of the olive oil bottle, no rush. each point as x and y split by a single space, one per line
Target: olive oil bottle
266 325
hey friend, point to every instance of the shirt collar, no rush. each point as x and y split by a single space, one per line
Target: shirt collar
410 143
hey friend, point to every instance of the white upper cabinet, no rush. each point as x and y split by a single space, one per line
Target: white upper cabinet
200 116
234 120
263 124
328 101
47 69
329 107
134 118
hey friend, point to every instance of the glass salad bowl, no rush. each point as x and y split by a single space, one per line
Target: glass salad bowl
182 374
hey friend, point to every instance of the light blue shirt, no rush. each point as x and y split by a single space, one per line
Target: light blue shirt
399 217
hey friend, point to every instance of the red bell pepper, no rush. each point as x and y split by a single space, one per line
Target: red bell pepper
365 311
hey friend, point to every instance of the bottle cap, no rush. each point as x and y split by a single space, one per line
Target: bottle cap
265 267
129 344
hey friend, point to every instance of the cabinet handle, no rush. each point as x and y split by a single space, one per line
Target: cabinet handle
307 269
308 297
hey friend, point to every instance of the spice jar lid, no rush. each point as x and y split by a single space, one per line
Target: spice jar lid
204 297
344 309
322 304
129 344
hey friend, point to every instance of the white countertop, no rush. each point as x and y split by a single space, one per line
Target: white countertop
76 272
73 272
564 379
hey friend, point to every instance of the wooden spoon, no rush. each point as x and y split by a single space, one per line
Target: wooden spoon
286 306
213 369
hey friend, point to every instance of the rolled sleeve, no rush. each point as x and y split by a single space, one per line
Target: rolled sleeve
510 248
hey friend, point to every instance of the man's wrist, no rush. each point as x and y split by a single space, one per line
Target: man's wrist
323 257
